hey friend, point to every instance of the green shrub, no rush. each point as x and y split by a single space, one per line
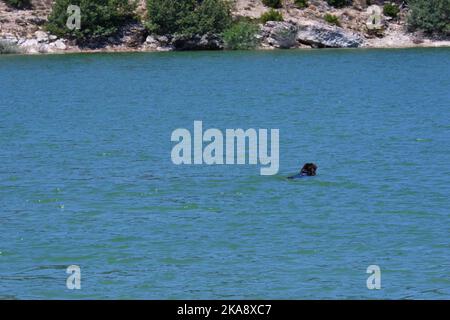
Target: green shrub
188 17
241 36
272 3
332 19
339 3
165 16
99 18
431 16
19 4
271 15
7 47
391 10
301 3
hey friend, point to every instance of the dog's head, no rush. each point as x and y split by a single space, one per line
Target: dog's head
309 169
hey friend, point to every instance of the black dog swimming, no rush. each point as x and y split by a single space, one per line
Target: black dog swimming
308 170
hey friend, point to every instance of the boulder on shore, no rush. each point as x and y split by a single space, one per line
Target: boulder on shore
197 42
133 34
327 36
279 34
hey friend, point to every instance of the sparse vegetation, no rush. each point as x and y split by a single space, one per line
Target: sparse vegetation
431 16
19 4
391 10
241 36
301 3
100 18
332 19
339 3
272 3
271 15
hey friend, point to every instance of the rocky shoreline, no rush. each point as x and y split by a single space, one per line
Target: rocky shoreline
300 29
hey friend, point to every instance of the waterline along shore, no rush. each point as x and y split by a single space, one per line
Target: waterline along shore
253 25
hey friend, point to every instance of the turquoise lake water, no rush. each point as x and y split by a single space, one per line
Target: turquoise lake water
86 176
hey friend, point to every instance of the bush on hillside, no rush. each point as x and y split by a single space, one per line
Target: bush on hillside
271 15
99 18
188 17
339 3
391 10
332 19
241 36
19 4
272 3
431 16
301 3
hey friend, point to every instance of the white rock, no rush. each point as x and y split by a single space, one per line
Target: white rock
32 50
151 43
41 36
30 46
43 48
151 40
10 38
327 36
280 34
165 49
52 37
163 40
58 45
30 43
